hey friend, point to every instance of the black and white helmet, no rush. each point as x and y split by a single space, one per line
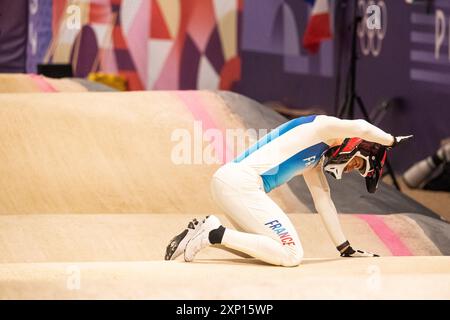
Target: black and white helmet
373 154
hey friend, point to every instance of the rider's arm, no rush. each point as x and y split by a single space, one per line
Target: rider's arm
332 128
320 192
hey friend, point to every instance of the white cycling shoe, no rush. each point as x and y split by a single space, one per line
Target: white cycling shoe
178 243
200 238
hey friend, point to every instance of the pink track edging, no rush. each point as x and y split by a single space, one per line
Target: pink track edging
386 235
194 103
42 83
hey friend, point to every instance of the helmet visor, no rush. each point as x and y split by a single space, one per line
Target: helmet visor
366 167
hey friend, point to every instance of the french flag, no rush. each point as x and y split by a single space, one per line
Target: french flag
318 28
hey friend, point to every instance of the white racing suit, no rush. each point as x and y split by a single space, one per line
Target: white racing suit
240 187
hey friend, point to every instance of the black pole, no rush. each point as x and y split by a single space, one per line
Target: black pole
348 107
340 18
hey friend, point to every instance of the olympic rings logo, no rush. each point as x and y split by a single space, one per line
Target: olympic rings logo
371 40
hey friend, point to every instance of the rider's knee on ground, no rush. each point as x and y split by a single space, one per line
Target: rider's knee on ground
292 258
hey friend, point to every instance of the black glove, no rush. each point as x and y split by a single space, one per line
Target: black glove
400 139
347 251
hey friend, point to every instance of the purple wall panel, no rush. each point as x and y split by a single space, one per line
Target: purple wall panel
13 35
404 68
39 32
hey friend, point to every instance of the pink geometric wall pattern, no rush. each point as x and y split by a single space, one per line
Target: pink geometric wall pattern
83 60
102 44
161 40
125 63
101 19
135 16
170 74
197 53
156 44
158 26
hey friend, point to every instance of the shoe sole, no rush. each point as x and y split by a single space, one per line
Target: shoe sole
178 243
175 247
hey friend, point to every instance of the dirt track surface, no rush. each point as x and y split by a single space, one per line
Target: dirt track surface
371 278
